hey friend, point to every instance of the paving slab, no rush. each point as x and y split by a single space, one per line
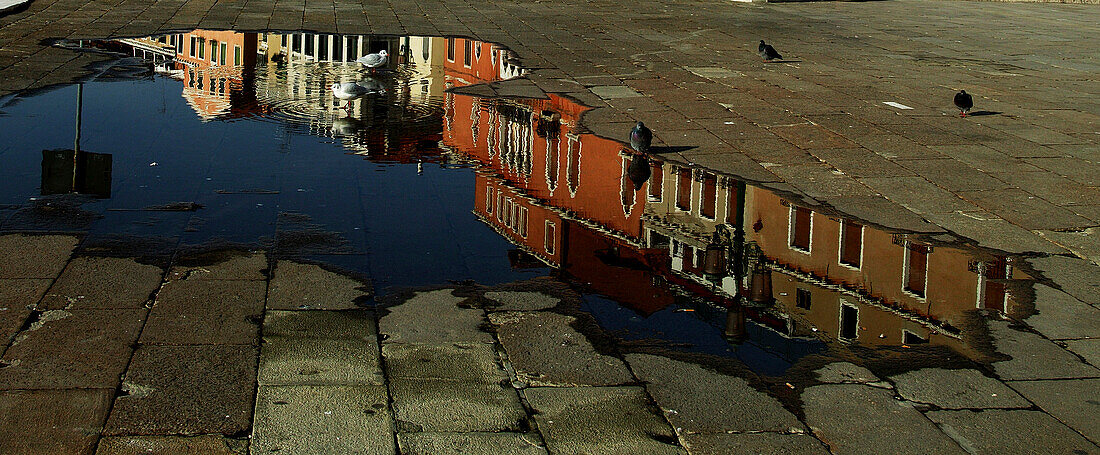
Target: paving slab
992 232
1034 357
1023 209
34 256
322 420
470 443
860 419
433 317
171 445
845 373
1087 349
17 298
349 324
956 389
544 349
754 443
996 432
1059 316
605 420
186 390
319 361
456 406
1076 276
206 312
1073 402
697 400
52 421
521 301
224 265
1083 243
72 349
475 362
103 282
297 286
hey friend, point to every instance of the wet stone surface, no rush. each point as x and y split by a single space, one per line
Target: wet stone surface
280 211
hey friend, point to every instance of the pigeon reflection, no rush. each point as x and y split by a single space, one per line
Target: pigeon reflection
639 170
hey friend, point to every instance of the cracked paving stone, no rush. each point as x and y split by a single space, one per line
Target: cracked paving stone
604 420
1034 357
433 317
996 432
470 443
456 406
171 445
186 390
845 373
297 286
319 361
17 297
72 349
956 389
52 421
230 265
697 400
206 312
545 350
859 419
1072 401
754 443
521 301
103 282
1059 316
447 361
322 420
34 256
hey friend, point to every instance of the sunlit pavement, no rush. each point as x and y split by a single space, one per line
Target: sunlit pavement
287 362
1020 178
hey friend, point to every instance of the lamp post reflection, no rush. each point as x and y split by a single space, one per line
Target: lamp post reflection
76 171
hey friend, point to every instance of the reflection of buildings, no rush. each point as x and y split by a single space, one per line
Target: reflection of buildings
215 67
230 75
566 199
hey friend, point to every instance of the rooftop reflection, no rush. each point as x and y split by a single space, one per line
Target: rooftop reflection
681 247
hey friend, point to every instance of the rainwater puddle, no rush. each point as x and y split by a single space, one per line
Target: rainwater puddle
214 139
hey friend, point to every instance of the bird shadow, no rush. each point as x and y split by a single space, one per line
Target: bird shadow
980 113
784 61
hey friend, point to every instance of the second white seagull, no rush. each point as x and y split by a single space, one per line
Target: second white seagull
373 61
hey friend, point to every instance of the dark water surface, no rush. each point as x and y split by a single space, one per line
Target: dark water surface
416 186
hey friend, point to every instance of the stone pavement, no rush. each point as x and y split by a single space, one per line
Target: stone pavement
1020 175
237 356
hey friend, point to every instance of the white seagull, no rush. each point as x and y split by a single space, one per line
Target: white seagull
373 61
348 91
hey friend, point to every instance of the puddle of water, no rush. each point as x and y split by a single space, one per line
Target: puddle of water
220 138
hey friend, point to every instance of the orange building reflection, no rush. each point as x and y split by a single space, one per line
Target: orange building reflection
565 197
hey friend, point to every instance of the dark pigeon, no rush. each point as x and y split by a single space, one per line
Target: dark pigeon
640 137
964 102
638 171
767 52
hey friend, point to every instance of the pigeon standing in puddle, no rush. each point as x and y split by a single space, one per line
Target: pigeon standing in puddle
641 137
964 102
767 52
